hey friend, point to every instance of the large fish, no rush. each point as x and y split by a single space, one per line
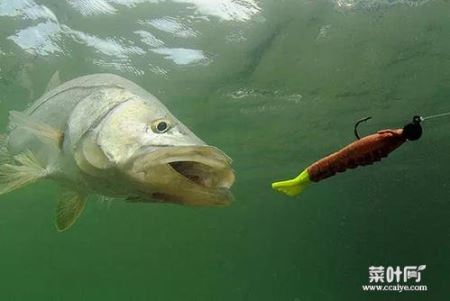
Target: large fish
103 134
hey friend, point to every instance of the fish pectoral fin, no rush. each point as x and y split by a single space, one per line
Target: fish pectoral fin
25 169
43 131
54 82
69 208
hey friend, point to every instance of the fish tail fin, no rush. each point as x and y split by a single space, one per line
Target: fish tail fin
24 170
42 130
293 187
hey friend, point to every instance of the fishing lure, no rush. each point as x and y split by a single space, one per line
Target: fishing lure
363 151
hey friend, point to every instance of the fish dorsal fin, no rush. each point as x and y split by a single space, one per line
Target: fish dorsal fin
43 131
5 156
54 82
3 139
25 170
69 208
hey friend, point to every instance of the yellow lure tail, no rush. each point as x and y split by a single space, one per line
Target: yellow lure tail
294 186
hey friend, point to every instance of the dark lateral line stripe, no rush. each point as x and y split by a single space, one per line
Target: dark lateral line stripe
34 109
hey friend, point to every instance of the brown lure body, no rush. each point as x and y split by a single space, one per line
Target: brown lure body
364 151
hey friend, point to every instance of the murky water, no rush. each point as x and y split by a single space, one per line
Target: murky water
275 84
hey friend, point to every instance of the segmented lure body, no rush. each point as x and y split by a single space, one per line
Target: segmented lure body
364 151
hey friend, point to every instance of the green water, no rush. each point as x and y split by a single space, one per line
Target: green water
276 85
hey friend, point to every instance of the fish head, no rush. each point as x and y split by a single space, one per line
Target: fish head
161 159
196 175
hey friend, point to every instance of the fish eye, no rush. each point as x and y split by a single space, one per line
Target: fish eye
160 126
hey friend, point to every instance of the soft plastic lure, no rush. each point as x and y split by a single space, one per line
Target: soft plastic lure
364 151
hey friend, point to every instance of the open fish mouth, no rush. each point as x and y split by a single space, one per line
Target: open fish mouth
189 175
204 175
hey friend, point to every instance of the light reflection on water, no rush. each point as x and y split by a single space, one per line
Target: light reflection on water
374 4
177 36
47 36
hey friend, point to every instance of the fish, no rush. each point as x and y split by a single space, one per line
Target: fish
102 134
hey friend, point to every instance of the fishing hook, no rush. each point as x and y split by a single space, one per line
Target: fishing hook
355 130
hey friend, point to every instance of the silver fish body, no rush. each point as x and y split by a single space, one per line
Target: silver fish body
104 134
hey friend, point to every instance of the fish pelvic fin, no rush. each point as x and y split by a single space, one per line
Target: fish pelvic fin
24 170
46 133
68 209
294 186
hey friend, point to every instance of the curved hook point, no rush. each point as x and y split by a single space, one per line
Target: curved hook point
355 130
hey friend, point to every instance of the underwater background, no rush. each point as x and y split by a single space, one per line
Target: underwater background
276 85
